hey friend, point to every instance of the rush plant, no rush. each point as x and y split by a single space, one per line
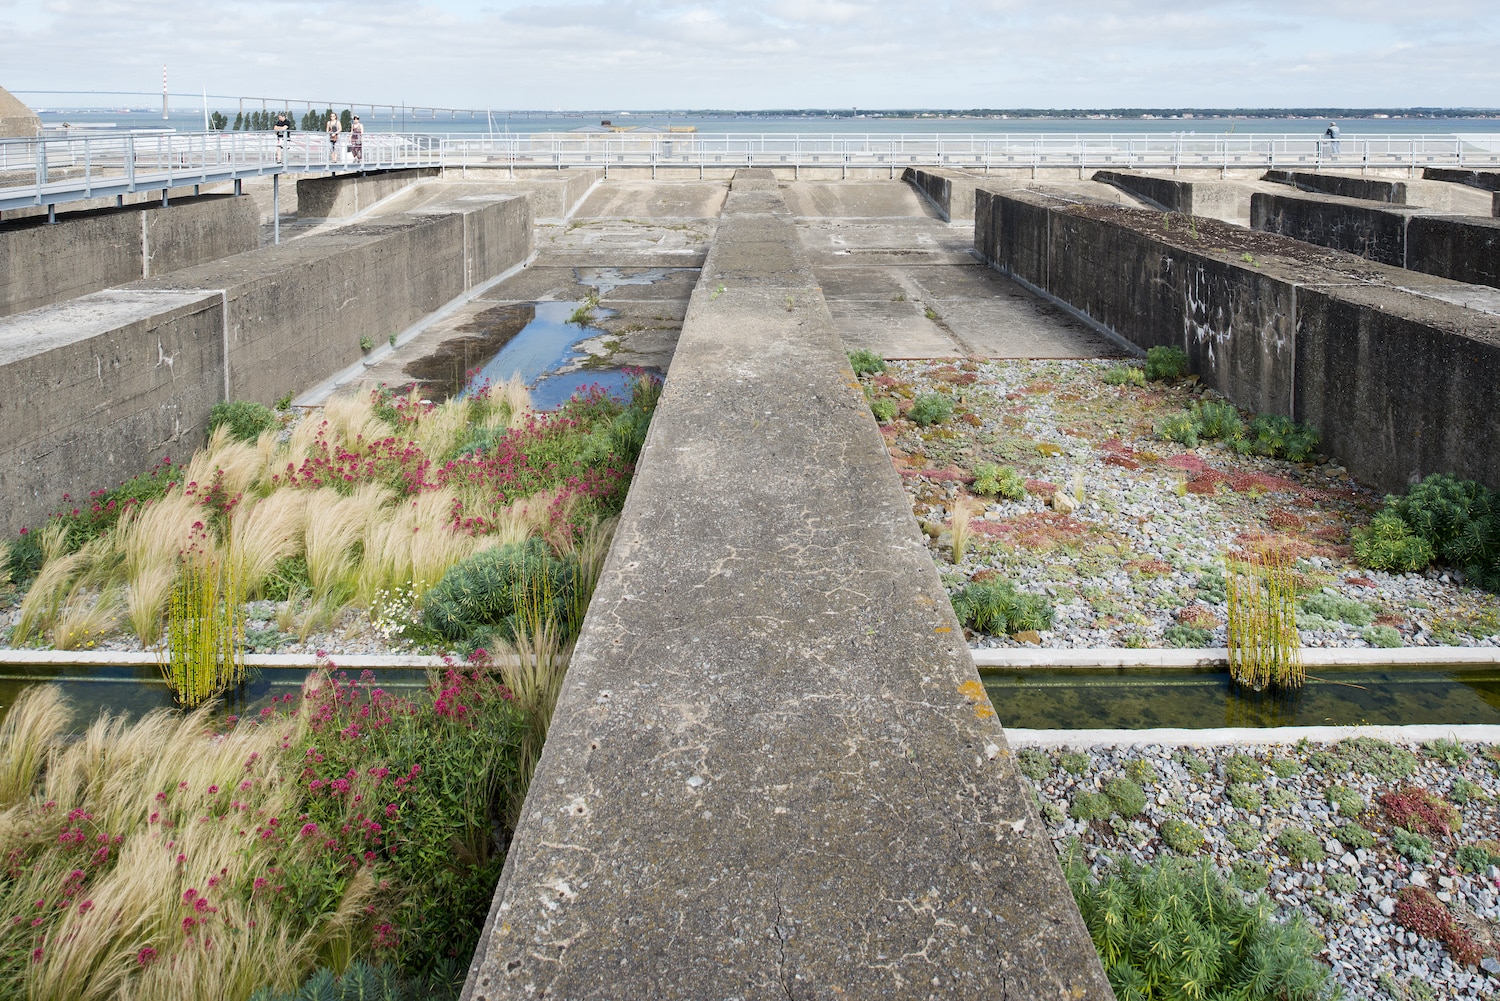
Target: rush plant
1264 648
205 652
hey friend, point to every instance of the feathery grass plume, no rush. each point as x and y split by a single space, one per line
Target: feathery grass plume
1264 648
517 401
439 431
155 534
146 600
301 444
44 600
335 526
352 416
533 668
87 617
266 532
961 532
54 541
235 464
205 627
435 545
32 726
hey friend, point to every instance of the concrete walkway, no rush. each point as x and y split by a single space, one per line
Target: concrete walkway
773 772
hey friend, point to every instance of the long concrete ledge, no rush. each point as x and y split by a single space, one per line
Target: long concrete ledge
1195 197
1462 248
1400 377
98 388
1372 189
773 771
340 195
1489 180
1243 736
995 660
951 192
41 265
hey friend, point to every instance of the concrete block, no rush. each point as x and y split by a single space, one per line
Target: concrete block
88 251
1489 180
97 389
1374 189
1463 248
1213 199
348 194
951 192
1369 230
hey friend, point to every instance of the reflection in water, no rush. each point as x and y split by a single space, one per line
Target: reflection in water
1140 698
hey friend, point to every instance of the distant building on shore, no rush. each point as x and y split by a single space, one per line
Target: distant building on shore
16 120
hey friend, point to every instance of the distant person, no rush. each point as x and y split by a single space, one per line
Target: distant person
333 137
1332 135
357 139
283 130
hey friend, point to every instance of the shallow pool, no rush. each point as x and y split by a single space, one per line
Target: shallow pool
1143 698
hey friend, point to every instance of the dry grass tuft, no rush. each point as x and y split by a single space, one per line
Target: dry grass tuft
33 725
44 601
146 601
267 532
87 617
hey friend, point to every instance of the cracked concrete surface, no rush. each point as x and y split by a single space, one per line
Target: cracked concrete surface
772 772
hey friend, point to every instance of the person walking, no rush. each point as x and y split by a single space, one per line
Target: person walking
283 129
333 138
357 140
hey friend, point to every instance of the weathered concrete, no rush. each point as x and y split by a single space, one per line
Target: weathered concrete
1213 199
134 371
1370 189
88 251
772 772
951 192
1489 180
555 194
1400 379
342 195
1463 248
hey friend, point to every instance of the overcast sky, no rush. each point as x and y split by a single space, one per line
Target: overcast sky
746 54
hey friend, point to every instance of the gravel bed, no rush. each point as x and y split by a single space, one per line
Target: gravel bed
1144 549
1349 896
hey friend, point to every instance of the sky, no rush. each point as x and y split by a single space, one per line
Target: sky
756 54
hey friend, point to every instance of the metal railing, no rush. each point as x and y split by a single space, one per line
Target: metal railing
55 169
52 169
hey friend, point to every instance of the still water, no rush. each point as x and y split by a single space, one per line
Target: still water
1143 698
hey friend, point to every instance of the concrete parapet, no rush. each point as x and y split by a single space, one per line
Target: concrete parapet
88 251
951 192
348 194
1489 180
554 194
772 770
1372 189
144 363
1213 199
1400 379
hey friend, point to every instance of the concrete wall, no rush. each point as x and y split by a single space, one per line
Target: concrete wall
1372 231
1489 180
104 385
554 193
347 194
1400 382
1373 189
951 192
88 251
1463 248
1213 199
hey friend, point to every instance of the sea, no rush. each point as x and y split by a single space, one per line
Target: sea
382 118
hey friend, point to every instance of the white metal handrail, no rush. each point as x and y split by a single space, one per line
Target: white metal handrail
52 169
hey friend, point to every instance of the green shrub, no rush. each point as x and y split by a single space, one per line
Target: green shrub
1126 796
1353 836
1212 586
1176 929
1075 762
1385 637
930 408
865 362
1217 420
1090 806
1245 796
1190 637
884 409
1180 836
1180 428
1300 845
1463 791
1279 798
288 577
1249 875
1366 756
1389 544
510 589
1034 763
1141 770
1286 768
1460 520
245 419
1477 857
1449 752
1243 836
1340 883
1165 363
1414 846
362 982
991 480
1346 801
996 607
1125 375
1336 606
1243 768
1193 762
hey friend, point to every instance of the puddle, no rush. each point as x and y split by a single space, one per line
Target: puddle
606 280
534 340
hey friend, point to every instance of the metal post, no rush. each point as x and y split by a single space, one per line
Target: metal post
276 207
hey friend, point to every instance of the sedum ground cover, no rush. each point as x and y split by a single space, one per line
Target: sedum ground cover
1124 530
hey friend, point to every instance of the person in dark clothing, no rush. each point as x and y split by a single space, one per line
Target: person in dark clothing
283 130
